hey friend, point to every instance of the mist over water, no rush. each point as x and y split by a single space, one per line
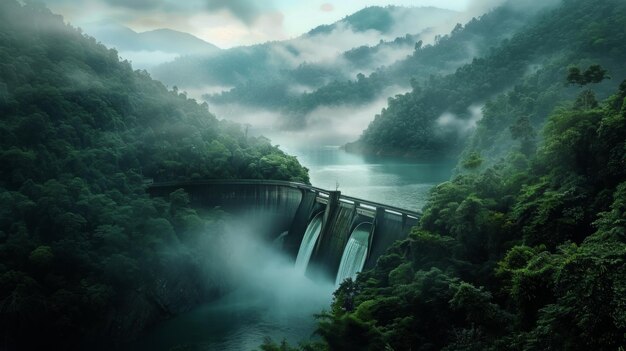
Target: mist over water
268 297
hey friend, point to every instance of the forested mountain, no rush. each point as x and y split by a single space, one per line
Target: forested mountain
449 52
433 120
526 253
373 71
310 60
84 252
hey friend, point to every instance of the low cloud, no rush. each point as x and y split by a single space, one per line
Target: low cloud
136 4
327 7
147 59
248 11
326 125
450 122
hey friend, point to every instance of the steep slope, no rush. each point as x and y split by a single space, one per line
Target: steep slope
85 254
434 119
444 56
528 254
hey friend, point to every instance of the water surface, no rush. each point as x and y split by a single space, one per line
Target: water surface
402 183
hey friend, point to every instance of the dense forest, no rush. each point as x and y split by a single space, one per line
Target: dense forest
433 119
524 248
526 253
85 254
444 56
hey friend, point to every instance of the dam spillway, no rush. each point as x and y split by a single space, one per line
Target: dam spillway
315 225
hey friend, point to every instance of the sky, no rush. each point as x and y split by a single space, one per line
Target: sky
227 23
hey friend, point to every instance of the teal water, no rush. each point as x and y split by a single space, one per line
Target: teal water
398 182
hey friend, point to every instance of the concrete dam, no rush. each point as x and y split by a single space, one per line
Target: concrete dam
326 233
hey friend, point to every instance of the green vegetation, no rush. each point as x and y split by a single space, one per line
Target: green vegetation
332 89
526 253
85 254
529 65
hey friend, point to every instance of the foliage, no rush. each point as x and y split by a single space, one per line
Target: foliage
527 253
85 254
526 65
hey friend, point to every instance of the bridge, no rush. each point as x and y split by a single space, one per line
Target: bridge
286 211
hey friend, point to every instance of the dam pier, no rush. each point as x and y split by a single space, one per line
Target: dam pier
325 232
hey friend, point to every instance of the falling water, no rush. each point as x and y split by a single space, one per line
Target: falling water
355 253
311 235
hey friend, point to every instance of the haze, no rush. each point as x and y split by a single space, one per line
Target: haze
230 23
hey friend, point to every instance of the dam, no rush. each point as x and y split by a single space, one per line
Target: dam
325 232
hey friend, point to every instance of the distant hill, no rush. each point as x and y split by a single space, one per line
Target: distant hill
396 63
435 118
316 57
386 19
85 253
163 40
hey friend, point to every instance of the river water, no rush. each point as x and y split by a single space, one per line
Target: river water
281 303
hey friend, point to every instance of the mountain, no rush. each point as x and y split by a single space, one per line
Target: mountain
312 59
391 21
87 258
416 63
525 247
437 116
528 253
148 49
165 40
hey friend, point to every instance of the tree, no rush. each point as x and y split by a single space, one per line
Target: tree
593 74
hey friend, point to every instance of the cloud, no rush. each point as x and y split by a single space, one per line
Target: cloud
327 7
326 125
136 4
248 11
450 122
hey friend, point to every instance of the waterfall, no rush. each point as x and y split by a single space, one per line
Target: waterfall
355 253
309 240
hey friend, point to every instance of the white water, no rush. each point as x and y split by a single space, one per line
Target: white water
309 240
355 253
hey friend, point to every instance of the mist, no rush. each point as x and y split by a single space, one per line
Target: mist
261 295
326 125
451 123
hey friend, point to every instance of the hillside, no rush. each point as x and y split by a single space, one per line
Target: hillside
435 119
415 62
310 60
525 247
527 254
86 257
444 56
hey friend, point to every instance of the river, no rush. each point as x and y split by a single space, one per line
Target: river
281 303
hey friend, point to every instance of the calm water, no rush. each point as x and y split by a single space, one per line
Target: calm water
282 302
400 182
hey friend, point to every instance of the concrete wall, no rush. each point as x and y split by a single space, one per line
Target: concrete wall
276 207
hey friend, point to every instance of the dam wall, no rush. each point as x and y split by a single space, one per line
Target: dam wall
285 209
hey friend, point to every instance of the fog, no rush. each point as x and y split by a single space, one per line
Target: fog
267 275
262 295
450 122
147 59
326 125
